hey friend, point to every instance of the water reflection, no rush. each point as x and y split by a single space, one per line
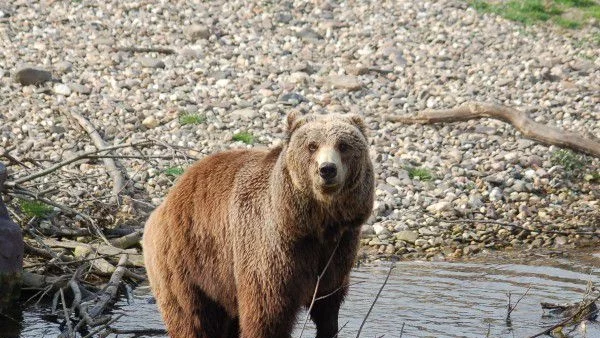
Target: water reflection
432 299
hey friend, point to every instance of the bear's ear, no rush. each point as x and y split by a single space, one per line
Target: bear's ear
359 123
295 119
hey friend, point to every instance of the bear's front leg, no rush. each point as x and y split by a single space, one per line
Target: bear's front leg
325 313
267 309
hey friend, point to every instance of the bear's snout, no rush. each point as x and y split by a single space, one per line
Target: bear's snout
328 171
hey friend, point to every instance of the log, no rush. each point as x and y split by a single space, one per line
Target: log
521 121
11 253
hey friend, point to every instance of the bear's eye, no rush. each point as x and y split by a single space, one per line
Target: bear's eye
343 147
312 147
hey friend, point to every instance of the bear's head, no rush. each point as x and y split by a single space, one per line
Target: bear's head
326 155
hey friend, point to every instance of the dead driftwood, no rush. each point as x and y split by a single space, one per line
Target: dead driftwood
521 121
109 163
574 314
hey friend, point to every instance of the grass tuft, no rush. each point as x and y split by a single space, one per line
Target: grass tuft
422 174
244 136
35 208
174 171
567 159
191 119
534 11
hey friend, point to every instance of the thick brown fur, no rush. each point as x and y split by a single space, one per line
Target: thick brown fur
236 247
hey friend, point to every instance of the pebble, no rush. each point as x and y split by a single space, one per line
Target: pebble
407 236
32 76
149 62
196 32
347 82
62 89
150 122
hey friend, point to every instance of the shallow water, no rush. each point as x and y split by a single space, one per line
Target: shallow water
431 299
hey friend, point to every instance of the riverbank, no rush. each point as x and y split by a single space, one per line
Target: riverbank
200 78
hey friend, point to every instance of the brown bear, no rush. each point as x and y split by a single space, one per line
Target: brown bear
236 247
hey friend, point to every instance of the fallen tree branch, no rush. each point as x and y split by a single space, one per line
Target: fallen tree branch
127 241
583 307
110 292
109 163
521 121
73 159
134 259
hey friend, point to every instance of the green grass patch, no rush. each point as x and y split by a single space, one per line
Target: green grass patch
191 119
422 174
244 136
567 159
174 171
535 11
35 208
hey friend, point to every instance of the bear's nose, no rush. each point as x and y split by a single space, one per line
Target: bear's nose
328 170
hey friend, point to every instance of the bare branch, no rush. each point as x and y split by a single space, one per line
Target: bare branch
520 120
375 300
312 302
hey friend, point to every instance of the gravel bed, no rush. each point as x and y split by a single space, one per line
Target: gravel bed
238 66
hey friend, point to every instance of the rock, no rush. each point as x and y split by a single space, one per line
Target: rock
495 195
380 229
367 230
407 236
63 67
439 207
393 180
561 240
196 32
309 34
292 99
356 70
347 82
80 89
421 242
150 122
32 76
62 89
244 113
148 62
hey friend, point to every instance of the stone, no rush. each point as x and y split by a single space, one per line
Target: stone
150 122
32 76
62 89
292 99
63 67
408 236
393 181
380 229
148 62
196 32
80 89
439 207
347 82
244 113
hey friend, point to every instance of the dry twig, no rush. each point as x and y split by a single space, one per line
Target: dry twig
375 300
319 277
583 307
